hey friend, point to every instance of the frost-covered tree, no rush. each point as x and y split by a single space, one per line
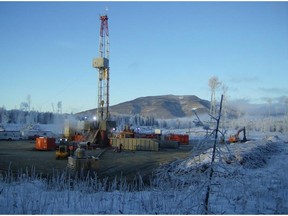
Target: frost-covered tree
4 116
269 101
224 106
214 84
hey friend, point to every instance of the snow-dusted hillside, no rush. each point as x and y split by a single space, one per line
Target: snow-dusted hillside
161 107
249 178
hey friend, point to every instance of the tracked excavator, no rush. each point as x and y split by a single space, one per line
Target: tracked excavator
235 138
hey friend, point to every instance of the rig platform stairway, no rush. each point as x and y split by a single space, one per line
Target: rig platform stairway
92 136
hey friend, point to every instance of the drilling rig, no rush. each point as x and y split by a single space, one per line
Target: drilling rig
102 64
101 131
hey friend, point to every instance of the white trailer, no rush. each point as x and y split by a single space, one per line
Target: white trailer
33 134
10 135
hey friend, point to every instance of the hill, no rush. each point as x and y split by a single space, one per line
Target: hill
164 106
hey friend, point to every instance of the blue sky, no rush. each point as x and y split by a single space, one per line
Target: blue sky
156 48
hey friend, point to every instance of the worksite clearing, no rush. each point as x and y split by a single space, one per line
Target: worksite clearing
21 155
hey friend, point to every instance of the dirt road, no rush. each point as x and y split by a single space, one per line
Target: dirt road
17 155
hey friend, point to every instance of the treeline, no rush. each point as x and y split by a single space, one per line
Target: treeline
34 117
135 121
268 124
24 117
138 120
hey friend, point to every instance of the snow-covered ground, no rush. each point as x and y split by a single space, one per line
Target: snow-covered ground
248 178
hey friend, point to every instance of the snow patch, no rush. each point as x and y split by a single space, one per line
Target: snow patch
249 178
273 139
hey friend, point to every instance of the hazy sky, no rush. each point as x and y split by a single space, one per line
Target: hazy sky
156 48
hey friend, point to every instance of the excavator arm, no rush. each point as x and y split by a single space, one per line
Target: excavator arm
235 138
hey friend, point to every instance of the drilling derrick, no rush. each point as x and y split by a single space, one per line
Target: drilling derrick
103 130
102 64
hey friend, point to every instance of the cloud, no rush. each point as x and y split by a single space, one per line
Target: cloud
274 90
243 79
283 99
268 99
241 101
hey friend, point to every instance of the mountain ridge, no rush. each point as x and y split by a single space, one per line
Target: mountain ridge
162 106
178 106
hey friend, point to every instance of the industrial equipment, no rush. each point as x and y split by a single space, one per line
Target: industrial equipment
45 143
181 138
62 152
99 133
126 133
102 64
235 138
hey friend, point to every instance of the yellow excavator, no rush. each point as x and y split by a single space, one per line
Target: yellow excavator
235 138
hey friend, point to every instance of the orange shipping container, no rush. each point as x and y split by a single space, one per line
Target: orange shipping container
45 143
182 139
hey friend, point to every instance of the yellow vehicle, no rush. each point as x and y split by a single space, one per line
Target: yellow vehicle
62 152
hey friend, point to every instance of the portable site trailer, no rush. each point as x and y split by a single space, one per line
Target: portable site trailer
10 135
33 134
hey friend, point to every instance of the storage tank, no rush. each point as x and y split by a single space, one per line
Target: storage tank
80 153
